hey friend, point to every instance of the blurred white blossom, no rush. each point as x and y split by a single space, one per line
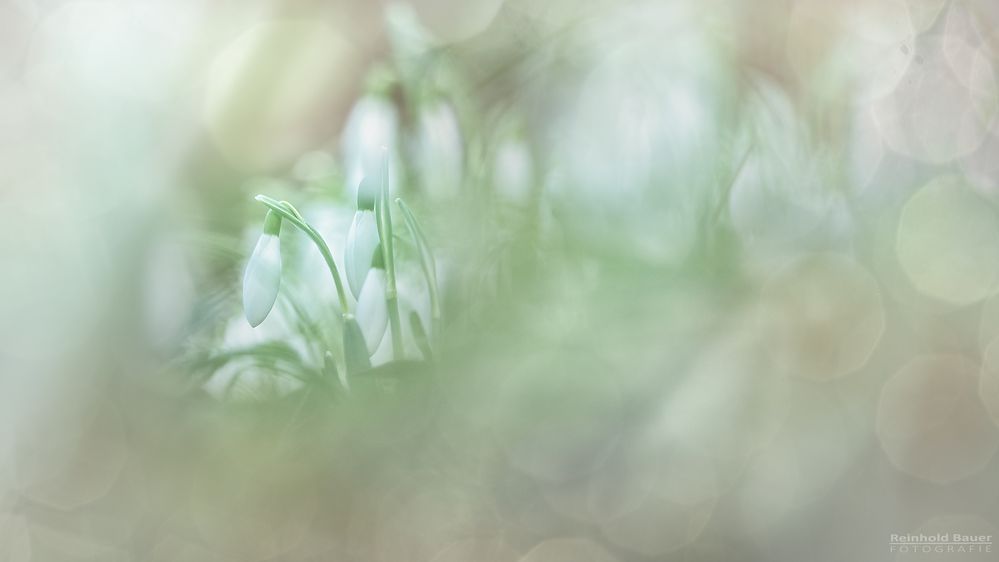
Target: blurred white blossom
439 150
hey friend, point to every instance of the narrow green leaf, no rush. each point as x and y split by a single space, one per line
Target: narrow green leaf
420 335
332 373
427 262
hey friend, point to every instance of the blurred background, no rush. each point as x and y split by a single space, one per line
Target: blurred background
718 279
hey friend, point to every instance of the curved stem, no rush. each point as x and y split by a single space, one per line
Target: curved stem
289 213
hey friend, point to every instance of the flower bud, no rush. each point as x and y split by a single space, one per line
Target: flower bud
262 278
362 239
367 192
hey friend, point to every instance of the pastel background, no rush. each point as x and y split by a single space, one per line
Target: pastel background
719 279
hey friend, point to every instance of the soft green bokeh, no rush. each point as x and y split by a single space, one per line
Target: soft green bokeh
717 280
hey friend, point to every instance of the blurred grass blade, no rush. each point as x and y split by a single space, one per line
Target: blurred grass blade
427 262
332 373
420 335
355 351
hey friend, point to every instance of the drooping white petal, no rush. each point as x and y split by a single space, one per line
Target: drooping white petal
372 310
362 239
262 279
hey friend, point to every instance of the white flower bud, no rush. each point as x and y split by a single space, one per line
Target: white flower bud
362 239
262 279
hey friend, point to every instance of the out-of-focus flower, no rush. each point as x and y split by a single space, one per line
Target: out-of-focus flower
372 308
637 120
782 169
371 128
513 170
362 239
262 279
439 150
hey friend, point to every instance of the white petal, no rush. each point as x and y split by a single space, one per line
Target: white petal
372 311
262 279
362 239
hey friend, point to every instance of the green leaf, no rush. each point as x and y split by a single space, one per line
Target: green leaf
420 335
427 262
332 373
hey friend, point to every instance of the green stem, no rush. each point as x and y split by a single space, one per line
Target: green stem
384 221
396 323
289 213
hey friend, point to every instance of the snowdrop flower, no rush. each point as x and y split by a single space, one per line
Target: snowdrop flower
362 238
262 279
372 308
439 150
513 170
371 127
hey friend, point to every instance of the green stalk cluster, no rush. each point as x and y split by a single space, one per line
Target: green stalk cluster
356 352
